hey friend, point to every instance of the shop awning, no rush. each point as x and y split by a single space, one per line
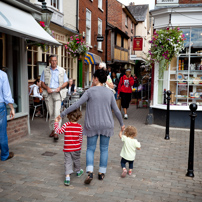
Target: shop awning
19 23
91 58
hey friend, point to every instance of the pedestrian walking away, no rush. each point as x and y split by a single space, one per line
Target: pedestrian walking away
128 151
98 121
5 99
72 143
54 81
125 90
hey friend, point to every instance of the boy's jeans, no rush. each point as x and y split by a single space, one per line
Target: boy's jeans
3 132
91 146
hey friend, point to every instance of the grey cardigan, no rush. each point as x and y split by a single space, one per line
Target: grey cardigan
98 118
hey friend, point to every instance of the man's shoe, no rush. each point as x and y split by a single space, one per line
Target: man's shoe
67 182
11 155
56 137
80 173
125 116
52 134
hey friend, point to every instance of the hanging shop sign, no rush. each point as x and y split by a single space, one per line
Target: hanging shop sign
100 38
137 43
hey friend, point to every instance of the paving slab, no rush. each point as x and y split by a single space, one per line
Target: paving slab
158 174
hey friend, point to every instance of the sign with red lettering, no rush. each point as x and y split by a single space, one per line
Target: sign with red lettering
137 44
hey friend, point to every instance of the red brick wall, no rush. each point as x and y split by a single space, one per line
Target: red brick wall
115 13
17 128
109 46
95 14
189 1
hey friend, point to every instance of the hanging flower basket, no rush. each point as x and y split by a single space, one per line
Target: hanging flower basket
165 44
76 46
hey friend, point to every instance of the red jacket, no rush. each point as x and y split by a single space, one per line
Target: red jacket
72 137
125 84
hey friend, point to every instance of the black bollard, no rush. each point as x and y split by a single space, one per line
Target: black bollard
168 115
190 170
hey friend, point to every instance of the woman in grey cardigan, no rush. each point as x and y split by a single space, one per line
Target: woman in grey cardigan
98 121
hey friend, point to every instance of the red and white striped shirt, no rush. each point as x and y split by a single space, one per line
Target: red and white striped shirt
72 136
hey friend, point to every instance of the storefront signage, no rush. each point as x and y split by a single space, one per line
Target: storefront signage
133 57
167 1
137 44
100 38
60 37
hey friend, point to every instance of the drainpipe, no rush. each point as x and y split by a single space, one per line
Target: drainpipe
77 28
106 32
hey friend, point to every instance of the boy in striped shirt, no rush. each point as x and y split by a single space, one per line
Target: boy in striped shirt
72 143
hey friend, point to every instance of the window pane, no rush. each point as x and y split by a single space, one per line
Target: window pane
57 4
29 72
87 35
29 57
43 57
62 61
36 74
35 58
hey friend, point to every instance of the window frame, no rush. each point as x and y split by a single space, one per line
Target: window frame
100 4
99 44
88 27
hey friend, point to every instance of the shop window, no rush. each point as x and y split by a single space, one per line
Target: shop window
2 50
67 62
184 75
88 27
32 58
99 33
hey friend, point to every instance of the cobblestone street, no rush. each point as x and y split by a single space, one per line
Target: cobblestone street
158 175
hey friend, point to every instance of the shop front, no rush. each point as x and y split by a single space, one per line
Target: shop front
16 27
183 77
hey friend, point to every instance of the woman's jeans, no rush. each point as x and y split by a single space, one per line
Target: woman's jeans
3 132
91 146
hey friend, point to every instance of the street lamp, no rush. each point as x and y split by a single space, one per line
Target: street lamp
46 14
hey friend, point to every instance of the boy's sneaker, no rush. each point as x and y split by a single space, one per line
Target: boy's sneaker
80 173
67 182
125 116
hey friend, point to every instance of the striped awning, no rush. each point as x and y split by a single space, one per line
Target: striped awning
91 58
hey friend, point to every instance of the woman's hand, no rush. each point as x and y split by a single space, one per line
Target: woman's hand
58 119
49 90
123 128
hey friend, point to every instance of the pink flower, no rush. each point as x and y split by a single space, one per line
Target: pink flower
42 23
167 28
77 42
77 39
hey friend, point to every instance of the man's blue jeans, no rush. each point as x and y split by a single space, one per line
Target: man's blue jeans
91 146
3 132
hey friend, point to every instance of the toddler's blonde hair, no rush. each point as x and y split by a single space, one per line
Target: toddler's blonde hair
130 131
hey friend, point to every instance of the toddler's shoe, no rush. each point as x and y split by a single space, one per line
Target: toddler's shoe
130 172
80 173
124 173
67 182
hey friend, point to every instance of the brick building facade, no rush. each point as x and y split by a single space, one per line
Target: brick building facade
121 31
92 23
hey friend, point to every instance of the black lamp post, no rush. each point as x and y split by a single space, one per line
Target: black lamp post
46 13
167 137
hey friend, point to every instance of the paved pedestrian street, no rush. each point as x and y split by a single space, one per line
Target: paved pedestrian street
36 173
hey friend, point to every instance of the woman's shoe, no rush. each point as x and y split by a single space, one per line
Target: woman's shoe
101 176
125 116
89 178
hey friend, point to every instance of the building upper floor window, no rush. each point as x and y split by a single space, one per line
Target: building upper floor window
88 26
99 33
126 21
100 4
55 4
131 27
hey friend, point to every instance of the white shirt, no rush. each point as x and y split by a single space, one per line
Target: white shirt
35 89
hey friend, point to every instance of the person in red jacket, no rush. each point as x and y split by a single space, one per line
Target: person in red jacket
125 90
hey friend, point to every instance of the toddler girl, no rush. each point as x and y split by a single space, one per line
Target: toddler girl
72 143
128 151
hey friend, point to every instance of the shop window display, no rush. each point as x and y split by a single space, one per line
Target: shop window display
184 75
